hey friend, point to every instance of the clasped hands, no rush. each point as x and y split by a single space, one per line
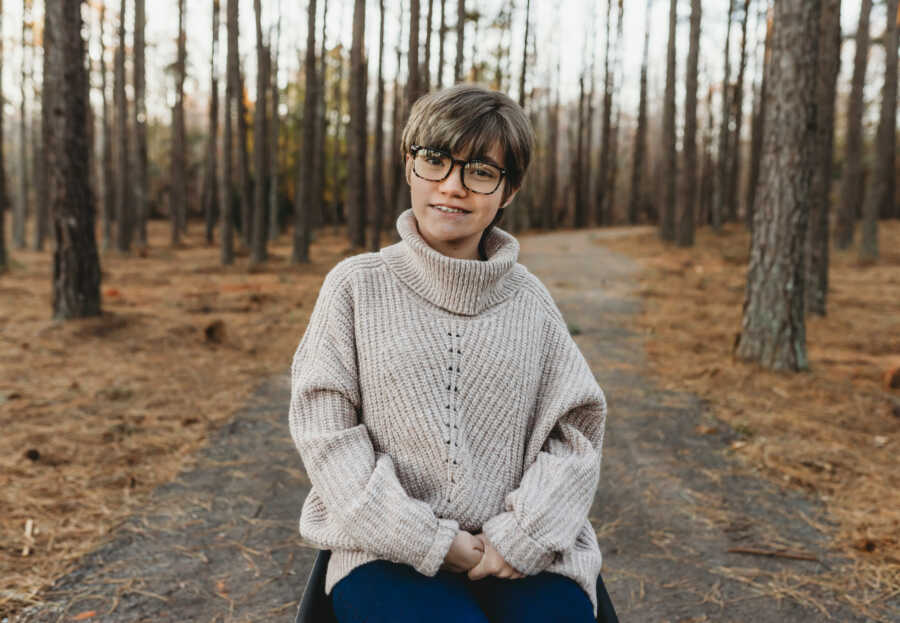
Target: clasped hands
474 553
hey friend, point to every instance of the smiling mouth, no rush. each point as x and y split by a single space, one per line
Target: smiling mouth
449 210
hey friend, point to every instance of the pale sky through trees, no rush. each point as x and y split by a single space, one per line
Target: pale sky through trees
552 20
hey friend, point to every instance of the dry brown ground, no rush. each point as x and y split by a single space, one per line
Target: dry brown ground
98 412
95 413
833 431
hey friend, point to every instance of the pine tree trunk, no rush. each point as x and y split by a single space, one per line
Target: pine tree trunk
577 160
440 68
852 191
124 197
426 66
41 212
210 199
759 121
23 203
412 58
303 195
817 241
4 196
636 199
707 173
396 168
724 155
737 107
178 192
76 265
274 132
226 195
600 216
612 177
880 201
378 177
670 164
356 165
689 172
773 330
259 250
140 123
108 214
244 163
316 209
549 204
460 39
522 74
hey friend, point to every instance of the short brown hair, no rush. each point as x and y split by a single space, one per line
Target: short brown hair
471 119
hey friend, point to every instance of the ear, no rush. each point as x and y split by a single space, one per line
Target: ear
510 198
409 165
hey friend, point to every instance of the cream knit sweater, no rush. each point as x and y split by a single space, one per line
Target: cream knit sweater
431 394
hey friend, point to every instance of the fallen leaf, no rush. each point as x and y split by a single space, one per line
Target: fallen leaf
706 430
87 614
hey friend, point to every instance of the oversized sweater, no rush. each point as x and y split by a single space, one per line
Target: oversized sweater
431 394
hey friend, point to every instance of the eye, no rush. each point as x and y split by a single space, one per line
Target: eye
433 157
483 171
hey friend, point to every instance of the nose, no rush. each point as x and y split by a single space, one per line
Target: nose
452 184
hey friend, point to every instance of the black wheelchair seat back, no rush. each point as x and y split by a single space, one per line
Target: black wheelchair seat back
315 605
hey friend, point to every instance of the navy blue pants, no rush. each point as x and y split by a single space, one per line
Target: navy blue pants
387 592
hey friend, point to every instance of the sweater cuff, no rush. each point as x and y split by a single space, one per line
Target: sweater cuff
443 539
518 548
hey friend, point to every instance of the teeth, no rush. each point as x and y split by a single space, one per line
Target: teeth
450 210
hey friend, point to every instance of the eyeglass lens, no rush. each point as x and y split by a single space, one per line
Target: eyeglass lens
434 166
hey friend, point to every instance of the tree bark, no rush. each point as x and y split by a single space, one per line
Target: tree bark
549 204
773 330
523 73
274 132
356 169
244 162
413 89
316 209
707 173
724 160
178 192
426 66
880 201
759 121
210 199
689 157
600 215
378 177
578 164
76 265
140 122
124 196
852 191
4 196
612 177
23 203
226 195
397 179
460 39
670 164
817 241
737 107
108 213
636 200
303 195
258 248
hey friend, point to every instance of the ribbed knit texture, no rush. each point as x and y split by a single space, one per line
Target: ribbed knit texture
431 394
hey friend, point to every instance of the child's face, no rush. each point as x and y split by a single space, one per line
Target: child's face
456 235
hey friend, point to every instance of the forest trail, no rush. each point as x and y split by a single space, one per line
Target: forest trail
220 543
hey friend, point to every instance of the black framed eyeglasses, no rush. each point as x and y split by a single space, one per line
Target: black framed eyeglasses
435 165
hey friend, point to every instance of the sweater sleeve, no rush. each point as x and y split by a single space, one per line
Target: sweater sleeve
543 516
357 485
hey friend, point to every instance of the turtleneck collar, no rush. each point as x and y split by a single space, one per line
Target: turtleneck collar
465 287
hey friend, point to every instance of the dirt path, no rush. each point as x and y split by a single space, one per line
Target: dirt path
220 543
